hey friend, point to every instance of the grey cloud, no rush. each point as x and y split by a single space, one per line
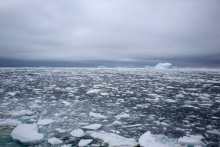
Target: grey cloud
110 30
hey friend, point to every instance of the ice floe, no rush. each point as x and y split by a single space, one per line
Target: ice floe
114 140
92 127
27 134
77 133
191 140
43 122
84 142
98 115
55 141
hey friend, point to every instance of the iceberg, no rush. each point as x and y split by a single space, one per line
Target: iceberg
163 66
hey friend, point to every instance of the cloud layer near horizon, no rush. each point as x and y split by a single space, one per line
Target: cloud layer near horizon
124 30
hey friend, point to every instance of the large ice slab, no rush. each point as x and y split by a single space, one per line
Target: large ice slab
147 140
27 134
191 140
84 142
114 140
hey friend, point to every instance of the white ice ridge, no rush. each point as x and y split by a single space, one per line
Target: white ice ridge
147 140
9 122
19 113
92 127
163 66
27 134
77 133
98 115
114 140
43 122
93 91
191 140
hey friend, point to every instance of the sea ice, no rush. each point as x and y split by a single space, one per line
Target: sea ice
114 140
20 113
147 140
92 127
55 141
119 116
191 140
44 122
98 115
27 134
84 142
93 91
77 133
9 122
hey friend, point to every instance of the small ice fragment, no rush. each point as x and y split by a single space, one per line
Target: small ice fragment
84 142
93 127
98 115
66 103
60 130
55 141
116 123
44 122
93 91
124 115
77 133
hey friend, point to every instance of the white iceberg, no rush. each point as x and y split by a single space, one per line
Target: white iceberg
114 140
163 66
27 134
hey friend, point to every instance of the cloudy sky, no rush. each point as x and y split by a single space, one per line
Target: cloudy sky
105 32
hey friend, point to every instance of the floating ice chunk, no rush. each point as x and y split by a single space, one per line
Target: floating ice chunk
12 93
92 127
191 140
77 133
98 115
84 142
44 122
180 96
163 66
67 145
131 126
170 101
116 123
124 115
60 130
27 134
55 141
9 122
104 94
93 91
66 103
147 140
214 132
20 113
114 140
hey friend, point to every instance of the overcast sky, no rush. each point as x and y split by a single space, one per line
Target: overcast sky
111 30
